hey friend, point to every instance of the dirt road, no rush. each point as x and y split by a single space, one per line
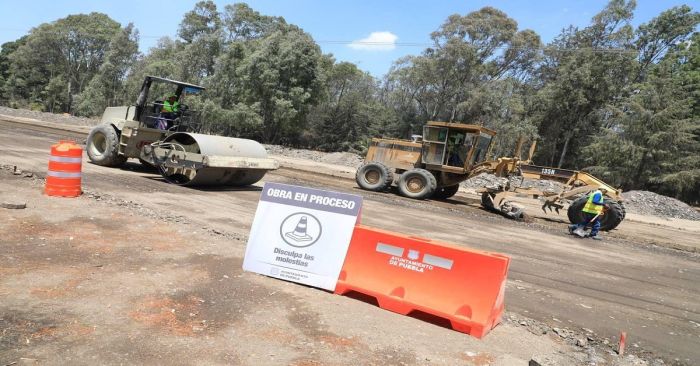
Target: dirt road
622 283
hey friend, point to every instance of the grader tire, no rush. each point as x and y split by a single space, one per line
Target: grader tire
417 183
374 176
612 218
442 193
103 146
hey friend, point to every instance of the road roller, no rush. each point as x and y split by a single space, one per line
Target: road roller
159 133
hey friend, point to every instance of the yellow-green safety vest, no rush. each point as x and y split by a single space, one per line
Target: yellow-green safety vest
171 108
591 207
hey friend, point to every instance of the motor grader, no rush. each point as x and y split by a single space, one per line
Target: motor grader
433 165
165 141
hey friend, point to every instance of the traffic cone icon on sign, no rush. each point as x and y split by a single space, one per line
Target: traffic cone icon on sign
299 233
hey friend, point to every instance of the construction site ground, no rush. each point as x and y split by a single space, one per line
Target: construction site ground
137 271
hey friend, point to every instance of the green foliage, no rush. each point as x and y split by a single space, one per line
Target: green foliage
243 23
583 70
9 83
106 88
657 129
63 55
349 113
280 73
201 21
474 74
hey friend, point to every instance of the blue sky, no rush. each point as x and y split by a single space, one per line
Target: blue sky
333 24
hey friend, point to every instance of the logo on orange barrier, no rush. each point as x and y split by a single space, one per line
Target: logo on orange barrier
411 261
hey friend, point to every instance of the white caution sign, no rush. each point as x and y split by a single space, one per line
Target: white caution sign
301 234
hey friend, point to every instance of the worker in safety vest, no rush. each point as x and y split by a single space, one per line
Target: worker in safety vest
594 208
169 111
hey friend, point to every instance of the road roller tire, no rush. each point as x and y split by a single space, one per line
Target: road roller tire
417 183
215 177
374 176
248 178
612 218
103 146
442 193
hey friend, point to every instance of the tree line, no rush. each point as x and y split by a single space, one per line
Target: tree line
619 101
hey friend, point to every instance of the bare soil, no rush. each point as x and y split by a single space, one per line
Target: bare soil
95 280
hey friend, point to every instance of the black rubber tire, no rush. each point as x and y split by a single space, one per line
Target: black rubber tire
417 183
374 176
103 146
612 218
442 193
487 202
574 211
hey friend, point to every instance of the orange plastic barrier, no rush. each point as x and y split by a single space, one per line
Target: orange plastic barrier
64 175
410 275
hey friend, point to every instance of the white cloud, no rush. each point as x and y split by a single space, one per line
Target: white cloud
377 41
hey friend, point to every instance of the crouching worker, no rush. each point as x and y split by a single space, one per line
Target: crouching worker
594 208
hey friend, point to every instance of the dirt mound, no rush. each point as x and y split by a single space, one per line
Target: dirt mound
50 117
485 180
337 158
650 203
492 181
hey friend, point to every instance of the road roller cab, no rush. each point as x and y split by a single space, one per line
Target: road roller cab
166 141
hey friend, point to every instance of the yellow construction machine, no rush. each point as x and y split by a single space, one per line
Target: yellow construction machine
433 165
167 141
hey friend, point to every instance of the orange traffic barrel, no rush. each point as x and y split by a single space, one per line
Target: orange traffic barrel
64 175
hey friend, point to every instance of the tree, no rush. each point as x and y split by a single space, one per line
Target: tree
661 33
349 112
243 23
265 76
199 22
474 73
201 29
106 88
279 74
653 138
7 89
64 54
582 72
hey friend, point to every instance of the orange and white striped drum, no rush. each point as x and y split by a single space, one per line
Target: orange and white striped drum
64 175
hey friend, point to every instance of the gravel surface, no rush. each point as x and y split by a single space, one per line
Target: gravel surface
650 203
492 181
336 158
590 348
